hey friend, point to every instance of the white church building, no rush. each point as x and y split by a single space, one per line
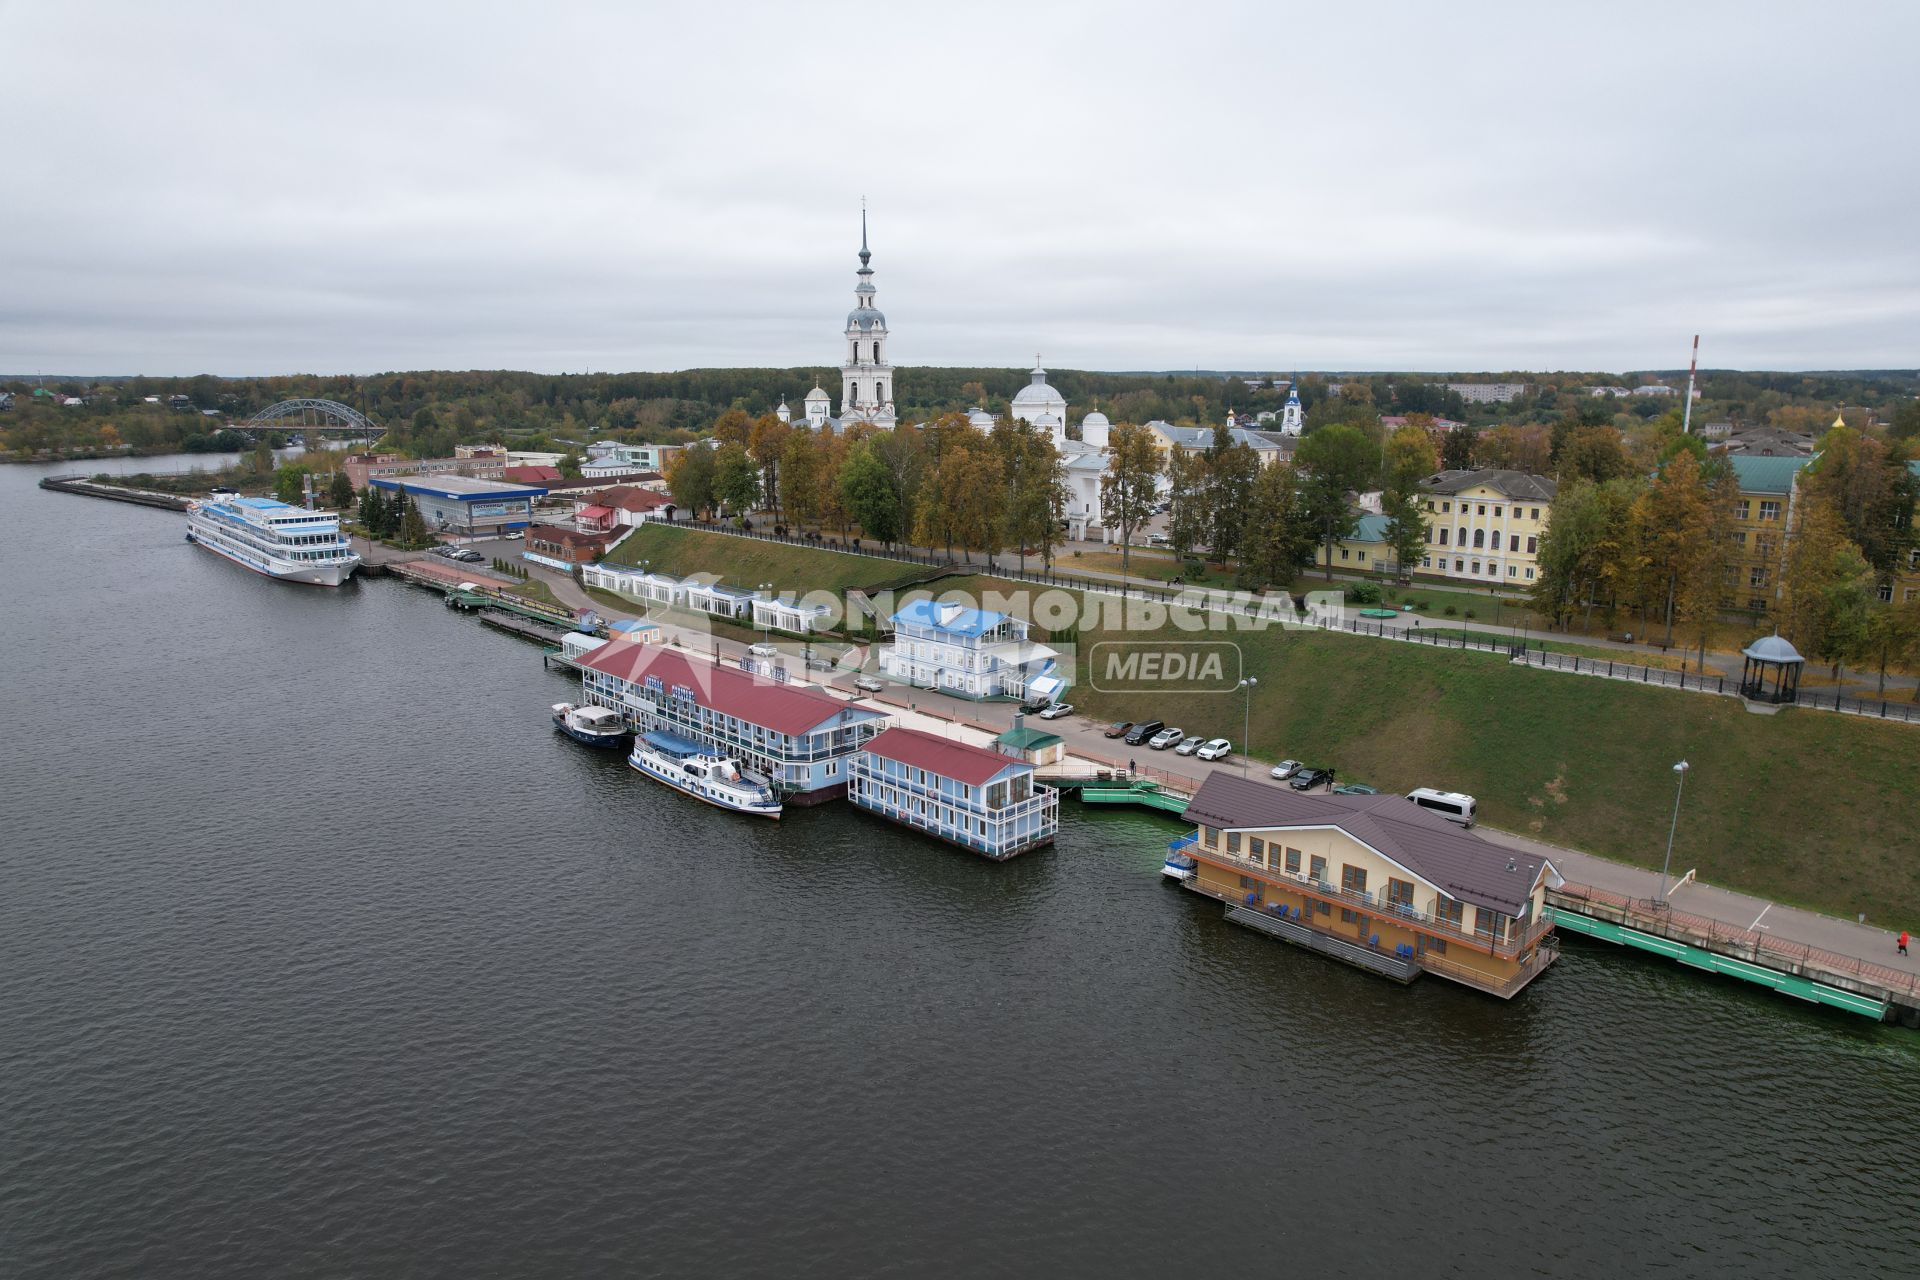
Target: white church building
867 395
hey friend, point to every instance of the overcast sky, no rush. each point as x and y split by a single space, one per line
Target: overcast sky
270 188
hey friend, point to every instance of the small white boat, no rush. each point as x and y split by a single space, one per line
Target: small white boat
1180 865
691 768
595 726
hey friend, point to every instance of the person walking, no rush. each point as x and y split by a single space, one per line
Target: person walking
1903 942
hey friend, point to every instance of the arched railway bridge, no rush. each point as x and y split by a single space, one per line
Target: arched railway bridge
307 416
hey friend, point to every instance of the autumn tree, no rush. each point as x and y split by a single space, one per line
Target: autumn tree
1336 461
733 427
865 488
1595 454
1685 561
1276 537
1872 491
1828 589
801 482
1130 485
736 479
1232 473
1407 458
1187 494
690 476
1457 450
765 443
1031 467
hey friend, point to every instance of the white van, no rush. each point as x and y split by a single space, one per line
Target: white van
1454 806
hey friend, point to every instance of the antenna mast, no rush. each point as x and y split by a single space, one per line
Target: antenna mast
1686 413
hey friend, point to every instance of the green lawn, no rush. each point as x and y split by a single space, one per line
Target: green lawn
1805 806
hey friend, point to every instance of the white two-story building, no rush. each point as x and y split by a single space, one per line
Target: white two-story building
972 653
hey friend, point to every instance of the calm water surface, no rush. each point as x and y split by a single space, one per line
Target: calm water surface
320 954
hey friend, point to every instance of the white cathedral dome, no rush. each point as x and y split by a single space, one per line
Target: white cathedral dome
1095 419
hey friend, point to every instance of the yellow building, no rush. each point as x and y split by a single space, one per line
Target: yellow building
1364 550
1486 526
1376 881
1762 516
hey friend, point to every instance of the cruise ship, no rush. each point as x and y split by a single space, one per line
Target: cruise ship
273 538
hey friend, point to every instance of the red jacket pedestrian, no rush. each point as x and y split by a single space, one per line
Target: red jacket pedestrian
1903 942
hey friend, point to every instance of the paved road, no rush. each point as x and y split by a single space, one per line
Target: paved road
1085 739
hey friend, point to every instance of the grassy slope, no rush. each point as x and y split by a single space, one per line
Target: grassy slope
1805 806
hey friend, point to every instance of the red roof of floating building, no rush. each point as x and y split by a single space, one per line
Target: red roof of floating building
957 760
784 708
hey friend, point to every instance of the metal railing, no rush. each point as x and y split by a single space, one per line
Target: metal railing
1659 919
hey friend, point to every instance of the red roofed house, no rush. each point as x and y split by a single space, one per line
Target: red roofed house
621 505
547 476
565 546
971 796
802 738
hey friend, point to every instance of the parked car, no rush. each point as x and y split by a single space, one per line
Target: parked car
1218 749
1034 706
764 650
1119 728
869 684
1143 731
1157 540
1057 710
471 557
819 664
1286 769
1355 789
1308 779
512 535
1166 738
1189 745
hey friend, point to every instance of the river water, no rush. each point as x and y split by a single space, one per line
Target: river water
321 954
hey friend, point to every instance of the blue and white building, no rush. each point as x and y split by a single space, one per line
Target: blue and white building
464 506
971 653
970 796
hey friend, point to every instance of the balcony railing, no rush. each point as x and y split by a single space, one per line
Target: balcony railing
1039 797
1511 943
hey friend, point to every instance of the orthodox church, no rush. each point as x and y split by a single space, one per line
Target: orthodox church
866 395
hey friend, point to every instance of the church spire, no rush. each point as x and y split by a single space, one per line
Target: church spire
864 253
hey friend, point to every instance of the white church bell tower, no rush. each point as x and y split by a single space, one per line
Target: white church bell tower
866 375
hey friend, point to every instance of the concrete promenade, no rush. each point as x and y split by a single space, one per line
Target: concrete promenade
1869 944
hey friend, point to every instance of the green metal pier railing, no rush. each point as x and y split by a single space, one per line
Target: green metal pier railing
1792 984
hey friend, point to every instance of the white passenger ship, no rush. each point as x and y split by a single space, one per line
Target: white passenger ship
689 767
273 538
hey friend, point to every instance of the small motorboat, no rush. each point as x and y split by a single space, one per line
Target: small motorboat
693 769
595 726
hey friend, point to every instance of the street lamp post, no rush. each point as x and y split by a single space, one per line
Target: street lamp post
1680 785
1246 719
766 620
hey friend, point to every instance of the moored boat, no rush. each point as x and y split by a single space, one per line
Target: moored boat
693 769
595 726
272 538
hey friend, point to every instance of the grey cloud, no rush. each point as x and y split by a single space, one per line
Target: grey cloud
249 189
